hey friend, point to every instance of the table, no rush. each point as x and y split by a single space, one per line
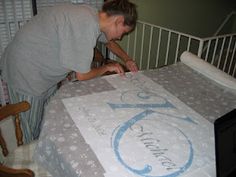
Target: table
62 150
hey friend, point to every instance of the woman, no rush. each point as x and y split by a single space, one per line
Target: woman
56 42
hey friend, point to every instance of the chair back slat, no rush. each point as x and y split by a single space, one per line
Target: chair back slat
13 110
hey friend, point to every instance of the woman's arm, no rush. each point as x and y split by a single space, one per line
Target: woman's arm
117 50
94 72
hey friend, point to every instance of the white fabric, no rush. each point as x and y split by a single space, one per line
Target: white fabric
140 129
208 70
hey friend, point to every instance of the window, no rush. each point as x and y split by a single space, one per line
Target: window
13 15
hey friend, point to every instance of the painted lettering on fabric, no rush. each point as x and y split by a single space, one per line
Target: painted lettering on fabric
146 137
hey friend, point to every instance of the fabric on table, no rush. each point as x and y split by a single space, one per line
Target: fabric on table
64 132
203 95
137 106
61 140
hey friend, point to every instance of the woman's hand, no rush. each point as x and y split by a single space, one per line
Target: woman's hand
117 50
131 65
94 72
115 67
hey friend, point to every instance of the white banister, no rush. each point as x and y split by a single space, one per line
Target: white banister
199 53
142 44
150 46
232 57
158 46
167 48
214 53
177 48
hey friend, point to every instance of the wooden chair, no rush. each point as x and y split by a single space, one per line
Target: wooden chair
6 171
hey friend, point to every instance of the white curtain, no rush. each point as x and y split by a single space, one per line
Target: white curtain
46 3
13 14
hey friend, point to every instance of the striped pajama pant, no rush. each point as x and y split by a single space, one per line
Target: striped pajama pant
31 121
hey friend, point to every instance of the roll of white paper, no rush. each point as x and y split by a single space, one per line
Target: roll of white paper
208 70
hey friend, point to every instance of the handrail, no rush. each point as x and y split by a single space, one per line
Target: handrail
153 46
224 22
167 29
219 36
